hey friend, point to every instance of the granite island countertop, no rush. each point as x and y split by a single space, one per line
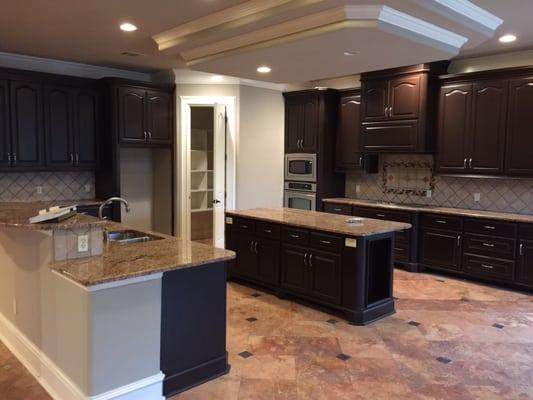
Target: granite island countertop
320 221
125 261
463 212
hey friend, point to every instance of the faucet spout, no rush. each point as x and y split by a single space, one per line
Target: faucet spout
109 201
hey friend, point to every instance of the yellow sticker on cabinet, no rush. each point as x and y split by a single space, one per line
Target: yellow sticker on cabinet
229 220
350 242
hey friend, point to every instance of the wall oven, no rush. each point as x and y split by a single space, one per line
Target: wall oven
301 195
300 167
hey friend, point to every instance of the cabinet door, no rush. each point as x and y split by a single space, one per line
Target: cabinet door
440 249
404 97
160 117
58 125
246 263
374 98
487 134
294 268
325 270
27 125
5 143
86 128
519 153
268 260
525 263
348 131
294 114
310 123
455 102
132 115
390 136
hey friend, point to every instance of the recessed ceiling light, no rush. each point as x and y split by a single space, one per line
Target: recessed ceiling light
127 27
264 69
350 53
217 78
508 38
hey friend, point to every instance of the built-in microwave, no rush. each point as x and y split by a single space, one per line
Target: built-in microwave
300 167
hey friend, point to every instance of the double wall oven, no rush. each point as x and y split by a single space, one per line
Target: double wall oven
300 181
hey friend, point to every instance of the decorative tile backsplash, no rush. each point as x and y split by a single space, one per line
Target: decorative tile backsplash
69 185
505 194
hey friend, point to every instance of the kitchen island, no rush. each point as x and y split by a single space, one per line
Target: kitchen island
129 321
317 257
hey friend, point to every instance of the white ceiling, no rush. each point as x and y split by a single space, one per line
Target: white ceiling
88 32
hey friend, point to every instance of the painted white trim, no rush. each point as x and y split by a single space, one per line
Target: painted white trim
183 156
58 385
113 284
52 66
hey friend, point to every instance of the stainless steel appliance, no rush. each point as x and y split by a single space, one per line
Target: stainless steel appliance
300 195
300 167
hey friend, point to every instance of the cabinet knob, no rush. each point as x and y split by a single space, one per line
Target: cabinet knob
521 249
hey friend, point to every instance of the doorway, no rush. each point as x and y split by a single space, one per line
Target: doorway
206 186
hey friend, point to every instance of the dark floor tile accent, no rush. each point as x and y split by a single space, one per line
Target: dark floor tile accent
251 319
343 356
414 323
440 280
256 294
332 321
246 354
499 326
444 360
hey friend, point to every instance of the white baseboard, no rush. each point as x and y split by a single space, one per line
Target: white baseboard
58 385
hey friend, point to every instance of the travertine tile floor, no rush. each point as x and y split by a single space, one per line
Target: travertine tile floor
448 340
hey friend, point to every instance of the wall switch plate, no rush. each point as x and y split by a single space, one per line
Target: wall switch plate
39 189
477 197
83 243
87 188
357 188
429 193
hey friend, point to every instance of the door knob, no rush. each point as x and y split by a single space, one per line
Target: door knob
215 201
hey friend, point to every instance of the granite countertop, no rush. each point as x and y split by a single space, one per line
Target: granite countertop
16 215
464 212
321 221
125 261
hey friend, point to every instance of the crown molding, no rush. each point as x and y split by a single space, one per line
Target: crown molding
49 65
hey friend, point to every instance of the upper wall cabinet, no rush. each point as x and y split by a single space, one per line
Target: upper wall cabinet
145 116
301 122
398 109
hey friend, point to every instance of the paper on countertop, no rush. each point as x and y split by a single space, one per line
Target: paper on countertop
53 213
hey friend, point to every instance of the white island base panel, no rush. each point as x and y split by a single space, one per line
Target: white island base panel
79 344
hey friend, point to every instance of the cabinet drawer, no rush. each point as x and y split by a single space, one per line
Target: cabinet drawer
490 227
379 213
488 267
343 209
390 136
326 242
402 235
442 222
244 224
267 230
490 245
401 250
295 236
526 231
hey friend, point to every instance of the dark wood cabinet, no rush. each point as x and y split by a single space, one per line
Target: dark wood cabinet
293 268
246 264
325 276
471 134
404 97
268 260
525 263
5 142
87 128
160 116
376 100
27 144
519 152
440 249
301 120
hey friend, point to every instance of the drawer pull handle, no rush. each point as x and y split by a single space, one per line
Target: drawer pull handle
458 240
310 260
440 221
295 236
305 259
521 249
487 266
380 215
489 227
337 209
398 249
488 244
325 241
244 226
268 231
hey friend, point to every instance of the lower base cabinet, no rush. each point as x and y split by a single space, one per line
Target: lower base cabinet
525 263
440 249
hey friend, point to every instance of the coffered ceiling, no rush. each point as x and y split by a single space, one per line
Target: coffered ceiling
300 40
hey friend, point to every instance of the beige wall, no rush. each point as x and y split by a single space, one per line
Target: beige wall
505 60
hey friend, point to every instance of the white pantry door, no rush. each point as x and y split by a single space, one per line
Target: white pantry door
219 175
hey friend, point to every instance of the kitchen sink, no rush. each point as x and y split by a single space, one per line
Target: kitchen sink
130 236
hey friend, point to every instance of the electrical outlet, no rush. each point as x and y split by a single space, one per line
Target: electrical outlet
357 188
15 311
87 188
477 197
83 243
39 189
429 193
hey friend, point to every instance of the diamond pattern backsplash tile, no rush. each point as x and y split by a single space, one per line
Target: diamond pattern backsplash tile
506 195
22 186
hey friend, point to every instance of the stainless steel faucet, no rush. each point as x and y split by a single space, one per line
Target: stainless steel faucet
109 201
